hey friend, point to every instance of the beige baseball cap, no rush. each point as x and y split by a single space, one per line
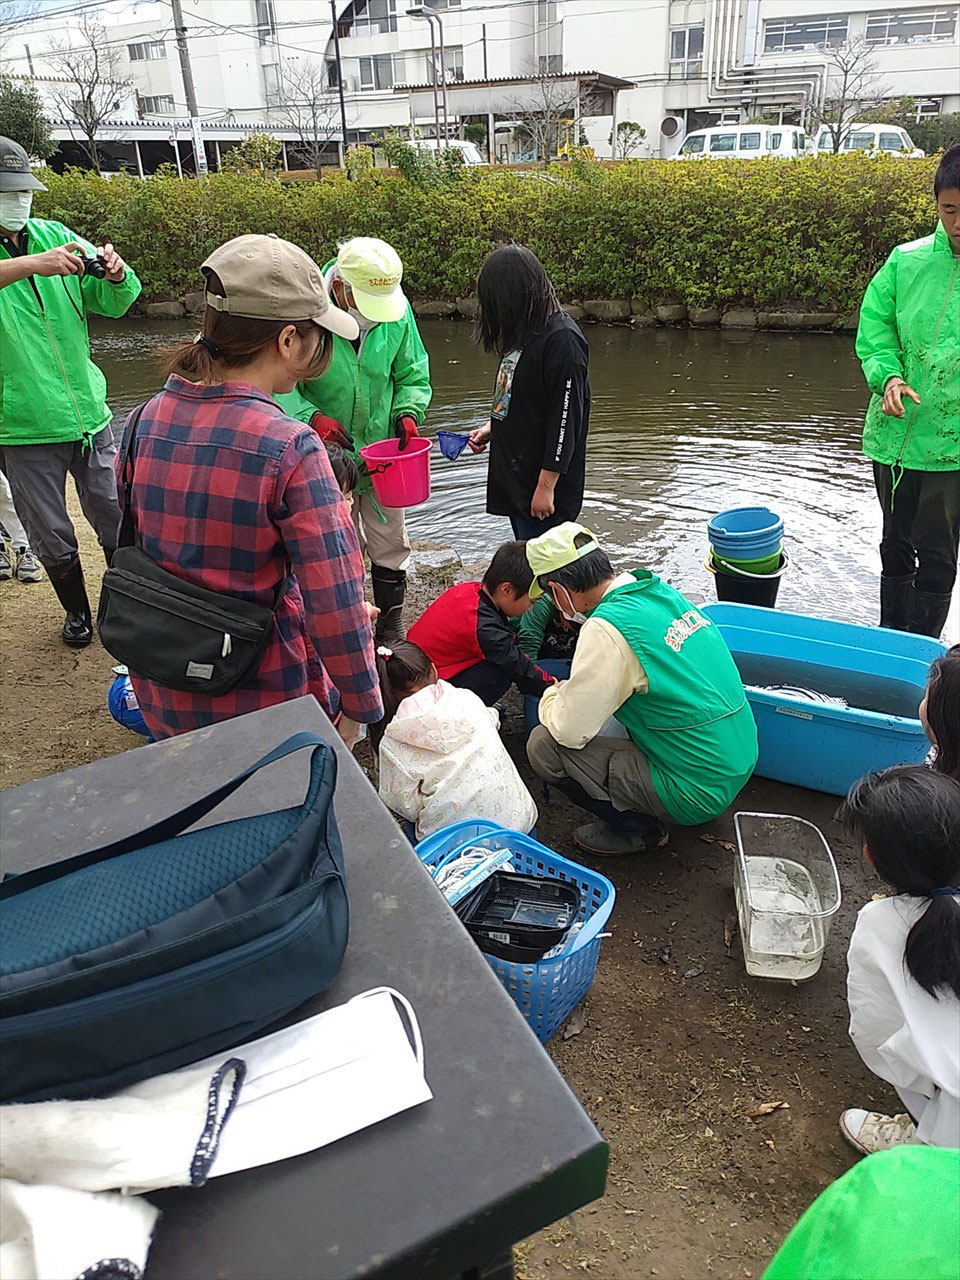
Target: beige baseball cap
373 270
266 278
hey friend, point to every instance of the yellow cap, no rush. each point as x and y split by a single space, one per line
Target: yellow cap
373 270
555 549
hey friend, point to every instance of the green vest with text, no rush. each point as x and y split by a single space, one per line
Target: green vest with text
694 723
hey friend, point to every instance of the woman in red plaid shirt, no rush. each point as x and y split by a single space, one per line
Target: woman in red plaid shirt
230 494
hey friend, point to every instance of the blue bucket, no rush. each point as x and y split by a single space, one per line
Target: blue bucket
746 533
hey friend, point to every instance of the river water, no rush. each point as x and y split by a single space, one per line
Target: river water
684 424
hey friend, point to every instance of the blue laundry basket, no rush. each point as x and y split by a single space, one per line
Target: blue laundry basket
546 993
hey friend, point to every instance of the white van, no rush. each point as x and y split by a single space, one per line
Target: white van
469 150
873 138
743 141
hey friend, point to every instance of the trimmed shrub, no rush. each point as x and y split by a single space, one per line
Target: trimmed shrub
755 233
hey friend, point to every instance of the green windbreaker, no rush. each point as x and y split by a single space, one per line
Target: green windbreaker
366 393
910 328
52 392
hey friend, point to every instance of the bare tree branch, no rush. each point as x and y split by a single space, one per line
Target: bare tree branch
543 110
852 89
96 84
310 107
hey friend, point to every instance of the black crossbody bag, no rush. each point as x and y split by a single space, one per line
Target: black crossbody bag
182 636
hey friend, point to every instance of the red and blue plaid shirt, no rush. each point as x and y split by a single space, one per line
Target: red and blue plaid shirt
231 494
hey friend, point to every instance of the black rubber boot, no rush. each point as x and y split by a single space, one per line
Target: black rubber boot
389 589
896 602
67 581
930 609
617 831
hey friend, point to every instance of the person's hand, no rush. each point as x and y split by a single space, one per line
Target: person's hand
349 731
479 438
893 394
542 504
61 261
373 613
405 429
113 264
331 430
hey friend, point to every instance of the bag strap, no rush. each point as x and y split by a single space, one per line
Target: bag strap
126 538
165 829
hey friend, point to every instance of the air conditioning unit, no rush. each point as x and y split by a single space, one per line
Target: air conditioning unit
671 126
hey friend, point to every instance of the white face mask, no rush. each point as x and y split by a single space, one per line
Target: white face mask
574 616
15 209
363 321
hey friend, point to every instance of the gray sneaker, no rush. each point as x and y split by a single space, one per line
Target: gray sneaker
6 568
28 567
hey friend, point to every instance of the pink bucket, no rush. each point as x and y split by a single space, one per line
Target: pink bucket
399 479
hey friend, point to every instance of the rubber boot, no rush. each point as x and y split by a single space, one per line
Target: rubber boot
617 831
67 581
930 609
389 589
896 602
108 555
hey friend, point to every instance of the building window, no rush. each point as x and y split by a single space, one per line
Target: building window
918 26
550 64
266 21
686 53
381 71
159 105
369 18
794 35
271 84
147 51
453 61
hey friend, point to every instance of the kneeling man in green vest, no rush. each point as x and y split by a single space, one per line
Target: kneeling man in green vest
653 726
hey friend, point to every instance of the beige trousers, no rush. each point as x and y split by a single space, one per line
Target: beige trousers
611 769
386 544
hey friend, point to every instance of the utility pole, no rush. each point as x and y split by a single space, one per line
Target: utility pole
343 104
180 31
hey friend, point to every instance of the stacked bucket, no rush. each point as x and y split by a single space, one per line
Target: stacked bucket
746 556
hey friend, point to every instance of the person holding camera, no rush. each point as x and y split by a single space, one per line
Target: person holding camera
54 417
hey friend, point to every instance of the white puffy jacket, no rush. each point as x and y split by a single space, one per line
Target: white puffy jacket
442 761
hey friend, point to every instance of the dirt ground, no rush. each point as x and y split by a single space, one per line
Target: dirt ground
675 1042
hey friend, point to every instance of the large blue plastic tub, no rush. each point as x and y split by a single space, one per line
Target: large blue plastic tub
546 993
882 675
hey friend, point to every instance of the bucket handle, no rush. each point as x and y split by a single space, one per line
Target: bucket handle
744 573
379 469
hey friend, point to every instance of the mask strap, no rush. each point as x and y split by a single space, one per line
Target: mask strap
414 1025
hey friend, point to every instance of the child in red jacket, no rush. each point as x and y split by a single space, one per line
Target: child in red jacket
466 635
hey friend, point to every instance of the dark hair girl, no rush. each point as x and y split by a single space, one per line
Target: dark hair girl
940 712
404 669
541 408
909 820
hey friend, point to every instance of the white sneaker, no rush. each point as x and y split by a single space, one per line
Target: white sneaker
28 566
6 568
871 1131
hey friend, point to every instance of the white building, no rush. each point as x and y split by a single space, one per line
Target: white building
683 63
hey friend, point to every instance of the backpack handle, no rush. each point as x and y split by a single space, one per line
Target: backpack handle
173 825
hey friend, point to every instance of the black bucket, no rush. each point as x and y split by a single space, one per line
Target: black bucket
740 587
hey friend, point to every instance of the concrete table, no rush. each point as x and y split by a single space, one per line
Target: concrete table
441 1191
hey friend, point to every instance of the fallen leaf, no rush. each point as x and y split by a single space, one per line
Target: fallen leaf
694 973
765 1108
730 927
770 1143
575 1024
708 1132
727 844
877 897
709 839
806 1028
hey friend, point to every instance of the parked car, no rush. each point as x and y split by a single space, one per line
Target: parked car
469 150
743 141
873 138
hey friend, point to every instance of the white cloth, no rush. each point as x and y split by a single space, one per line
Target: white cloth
902 1033
54 1233
9 518
442 761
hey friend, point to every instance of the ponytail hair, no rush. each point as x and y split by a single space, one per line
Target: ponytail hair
403 669
943 711
909 819
230 342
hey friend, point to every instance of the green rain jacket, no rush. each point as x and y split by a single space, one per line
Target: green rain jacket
52 392
367 392
910 328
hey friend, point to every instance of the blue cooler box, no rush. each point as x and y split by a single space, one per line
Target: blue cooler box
881 673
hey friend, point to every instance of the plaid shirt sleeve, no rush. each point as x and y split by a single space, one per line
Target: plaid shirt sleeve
322 545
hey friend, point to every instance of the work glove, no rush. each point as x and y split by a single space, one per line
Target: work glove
331 430
405 429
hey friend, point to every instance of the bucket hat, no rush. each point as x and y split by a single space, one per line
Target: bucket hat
266 278
555 549
15 171
373 270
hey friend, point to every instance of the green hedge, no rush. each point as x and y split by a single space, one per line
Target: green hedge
707 233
